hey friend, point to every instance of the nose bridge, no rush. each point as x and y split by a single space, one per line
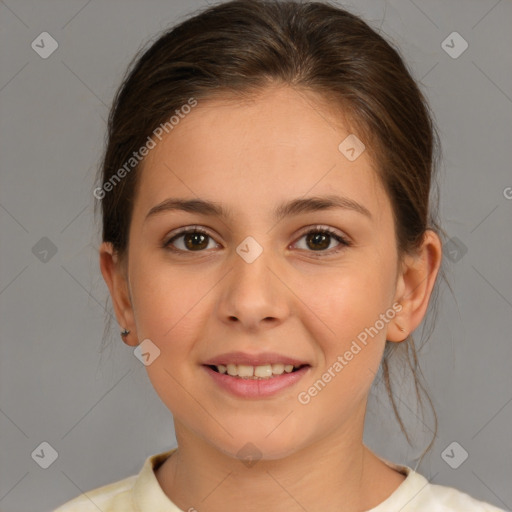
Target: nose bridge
252 292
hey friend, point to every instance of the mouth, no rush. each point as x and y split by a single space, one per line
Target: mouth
260 372
255 376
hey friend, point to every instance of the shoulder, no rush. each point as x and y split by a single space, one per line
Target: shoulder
417 494
440 498
449 499
132 494
108 498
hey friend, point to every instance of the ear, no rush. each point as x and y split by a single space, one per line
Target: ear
415 283
114 273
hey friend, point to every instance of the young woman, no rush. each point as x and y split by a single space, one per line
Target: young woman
267 241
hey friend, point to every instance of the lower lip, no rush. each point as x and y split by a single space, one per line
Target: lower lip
256 388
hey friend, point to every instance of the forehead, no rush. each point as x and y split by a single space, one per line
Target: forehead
259 150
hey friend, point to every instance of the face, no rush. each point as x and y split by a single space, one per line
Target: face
253 288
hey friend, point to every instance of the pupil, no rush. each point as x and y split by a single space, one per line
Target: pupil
190 238
319 238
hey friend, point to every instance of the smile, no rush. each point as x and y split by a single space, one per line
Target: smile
264 371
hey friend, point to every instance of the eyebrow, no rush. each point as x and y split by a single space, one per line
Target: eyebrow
293 207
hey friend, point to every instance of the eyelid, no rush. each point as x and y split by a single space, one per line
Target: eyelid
323 228
342 239
185 230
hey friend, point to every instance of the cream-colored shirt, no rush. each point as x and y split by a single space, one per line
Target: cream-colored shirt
142 493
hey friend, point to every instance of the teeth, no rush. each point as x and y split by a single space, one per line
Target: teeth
245 371
277 369
265 371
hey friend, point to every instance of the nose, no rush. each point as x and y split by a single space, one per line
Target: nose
254 296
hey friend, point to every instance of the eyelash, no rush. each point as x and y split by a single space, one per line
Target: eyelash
314 230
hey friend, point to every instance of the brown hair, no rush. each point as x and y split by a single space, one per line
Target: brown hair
241 47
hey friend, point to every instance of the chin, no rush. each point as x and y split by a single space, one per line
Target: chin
254 444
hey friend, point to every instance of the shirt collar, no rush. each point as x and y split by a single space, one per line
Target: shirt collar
149 496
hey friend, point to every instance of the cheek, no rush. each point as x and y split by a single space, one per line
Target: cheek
167 311
352 298
352 340
355 310
163 297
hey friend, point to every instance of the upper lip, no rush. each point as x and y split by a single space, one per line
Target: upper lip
253 359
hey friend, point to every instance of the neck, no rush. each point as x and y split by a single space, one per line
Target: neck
336 473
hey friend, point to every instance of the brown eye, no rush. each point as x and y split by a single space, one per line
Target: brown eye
189 240
320 239
195 241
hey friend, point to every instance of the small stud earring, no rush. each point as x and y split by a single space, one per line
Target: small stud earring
125 332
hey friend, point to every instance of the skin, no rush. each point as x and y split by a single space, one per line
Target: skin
251 156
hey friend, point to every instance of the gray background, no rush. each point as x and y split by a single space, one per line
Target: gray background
97 409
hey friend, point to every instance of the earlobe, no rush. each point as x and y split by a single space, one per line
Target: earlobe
114 274
396 333
414 287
